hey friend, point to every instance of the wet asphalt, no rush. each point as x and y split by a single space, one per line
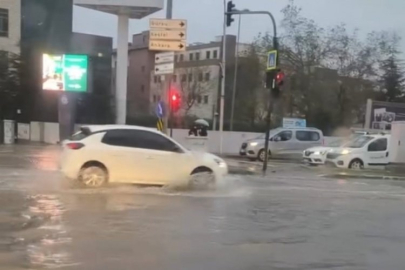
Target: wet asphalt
293 218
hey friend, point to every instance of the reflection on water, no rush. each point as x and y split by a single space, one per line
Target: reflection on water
48 251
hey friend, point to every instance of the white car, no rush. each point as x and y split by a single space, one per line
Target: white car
366 151
317 155
98 155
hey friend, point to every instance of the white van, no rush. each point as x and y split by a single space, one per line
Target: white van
367 151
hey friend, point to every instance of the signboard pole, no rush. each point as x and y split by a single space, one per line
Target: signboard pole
168 79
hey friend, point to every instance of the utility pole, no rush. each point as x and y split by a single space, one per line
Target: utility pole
168 116
223 67
235 75
271 75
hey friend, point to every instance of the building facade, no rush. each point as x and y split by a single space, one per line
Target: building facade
10 25
196 77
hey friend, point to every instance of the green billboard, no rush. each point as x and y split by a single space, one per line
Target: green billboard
66 72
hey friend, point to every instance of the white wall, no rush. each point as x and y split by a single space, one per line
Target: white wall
232 141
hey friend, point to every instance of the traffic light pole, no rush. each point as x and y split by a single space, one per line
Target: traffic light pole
272 86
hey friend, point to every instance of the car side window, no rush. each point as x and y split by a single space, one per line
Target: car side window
139 139
308 136
119 137
378 145
154 141
283 136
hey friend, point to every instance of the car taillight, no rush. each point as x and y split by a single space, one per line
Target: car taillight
74 146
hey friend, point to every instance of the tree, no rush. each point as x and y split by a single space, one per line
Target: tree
392 80
195 84
324 67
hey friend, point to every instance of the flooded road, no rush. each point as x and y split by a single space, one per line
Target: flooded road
292 219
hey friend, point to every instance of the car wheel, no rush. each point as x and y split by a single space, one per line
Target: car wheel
202 178
356 164
261 155
93 176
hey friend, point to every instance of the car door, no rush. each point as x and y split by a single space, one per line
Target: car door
165 161
125 162
377 153
281 142
307 139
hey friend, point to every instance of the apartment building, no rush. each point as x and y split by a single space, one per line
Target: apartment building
196 77
10 25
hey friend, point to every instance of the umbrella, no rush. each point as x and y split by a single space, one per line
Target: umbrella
202 122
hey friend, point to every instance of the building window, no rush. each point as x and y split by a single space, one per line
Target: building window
143 88
159 79
191 56
174 78
215 54
3 22
154 98
190 77
207 76
197 56
206 99
184 78
200 77
199 99
208 54
176 58
181 57
143 68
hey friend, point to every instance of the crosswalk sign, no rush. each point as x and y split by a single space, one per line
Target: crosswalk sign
272 60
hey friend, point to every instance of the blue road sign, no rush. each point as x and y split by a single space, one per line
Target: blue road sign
160 109
272 60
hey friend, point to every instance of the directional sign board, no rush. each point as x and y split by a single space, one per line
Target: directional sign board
168 24
167 57
164 69
167 34
272 60
162 45
160 109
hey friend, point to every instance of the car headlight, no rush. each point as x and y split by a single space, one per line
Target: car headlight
253 143
317 153
220 162
345 152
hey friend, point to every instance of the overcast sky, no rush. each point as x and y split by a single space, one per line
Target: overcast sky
205 17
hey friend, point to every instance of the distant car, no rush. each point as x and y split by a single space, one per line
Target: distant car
317 155
366 151
98 155
282 141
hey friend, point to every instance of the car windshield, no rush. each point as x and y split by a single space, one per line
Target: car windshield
344 141
358 142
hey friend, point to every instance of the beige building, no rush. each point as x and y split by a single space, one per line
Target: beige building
10 25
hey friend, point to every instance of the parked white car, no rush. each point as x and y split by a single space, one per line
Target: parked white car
366 151
317 155
98 155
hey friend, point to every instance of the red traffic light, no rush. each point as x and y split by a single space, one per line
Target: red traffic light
175 100
280 78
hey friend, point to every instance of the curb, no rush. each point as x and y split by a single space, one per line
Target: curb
364 176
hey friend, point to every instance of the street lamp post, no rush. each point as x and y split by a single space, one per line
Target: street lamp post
222 97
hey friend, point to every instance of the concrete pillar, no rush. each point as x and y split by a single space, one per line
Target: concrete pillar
121 70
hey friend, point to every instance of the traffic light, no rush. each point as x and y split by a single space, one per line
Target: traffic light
280 78
229 19
175 101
